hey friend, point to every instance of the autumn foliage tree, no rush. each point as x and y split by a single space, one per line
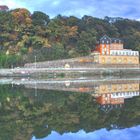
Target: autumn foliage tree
22 16
24 34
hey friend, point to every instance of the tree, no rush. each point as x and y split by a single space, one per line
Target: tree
40 19
22 16
82 48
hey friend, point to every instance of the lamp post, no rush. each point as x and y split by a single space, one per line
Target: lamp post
35 89
35 61
35 81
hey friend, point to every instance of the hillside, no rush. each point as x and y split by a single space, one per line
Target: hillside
24 35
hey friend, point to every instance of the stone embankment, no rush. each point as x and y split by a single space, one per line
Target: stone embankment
70 66
65 63
81 62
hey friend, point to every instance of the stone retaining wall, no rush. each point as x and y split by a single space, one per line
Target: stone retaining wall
80 62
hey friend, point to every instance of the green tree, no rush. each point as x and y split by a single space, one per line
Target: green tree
40 19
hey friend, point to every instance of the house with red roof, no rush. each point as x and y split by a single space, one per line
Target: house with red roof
4 8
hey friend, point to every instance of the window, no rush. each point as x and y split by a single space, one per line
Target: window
120 60
102 46
107 52
136 59
107 47
109 86
134 53
130 87
120 87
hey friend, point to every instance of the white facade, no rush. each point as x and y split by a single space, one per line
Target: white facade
124 52
125 94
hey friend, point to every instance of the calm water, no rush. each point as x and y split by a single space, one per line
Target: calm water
84 108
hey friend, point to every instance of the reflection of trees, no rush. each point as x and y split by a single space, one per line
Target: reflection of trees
23 114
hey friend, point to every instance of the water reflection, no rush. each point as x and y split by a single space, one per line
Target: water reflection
111 96
124 134
51 108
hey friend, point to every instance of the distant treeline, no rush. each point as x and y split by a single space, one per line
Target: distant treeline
24 35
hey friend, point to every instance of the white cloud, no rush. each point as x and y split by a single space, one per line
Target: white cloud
11 3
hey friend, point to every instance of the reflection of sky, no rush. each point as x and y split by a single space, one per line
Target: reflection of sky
102 134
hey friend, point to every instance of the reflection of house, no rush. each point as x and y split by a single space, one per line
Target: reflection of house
111 51
124 95
107 103
113 88
3 8
113 96
107 99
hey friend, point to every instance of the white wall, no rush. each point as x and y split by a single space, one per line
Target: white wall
125 94
124 52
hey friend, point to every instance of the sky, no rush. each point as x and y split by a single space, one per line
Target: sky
132 133
97 8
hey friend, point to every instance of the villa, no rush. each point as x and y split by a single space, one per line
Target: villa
4 8
111 51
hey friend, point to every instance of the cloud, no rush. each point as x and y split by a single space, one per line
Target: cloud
132 133
13 3
96 8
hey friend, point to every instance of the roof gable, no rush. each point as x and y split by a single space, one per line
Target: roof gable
105 39
116 40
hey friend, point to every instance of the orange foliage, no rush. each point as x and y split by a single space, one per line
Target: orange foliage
72 30
22 16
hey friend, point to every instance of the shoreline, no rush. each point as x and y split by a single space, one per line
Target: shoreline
35 72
